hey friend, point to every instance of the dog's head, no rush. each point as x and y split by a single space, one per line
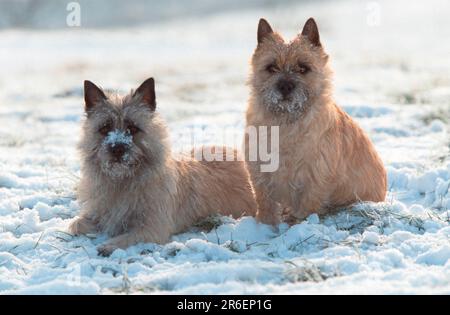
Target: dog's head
122 135
288 76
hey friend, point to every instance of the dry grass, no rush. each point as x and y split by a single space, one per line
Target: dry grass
358 217
210 223
306 272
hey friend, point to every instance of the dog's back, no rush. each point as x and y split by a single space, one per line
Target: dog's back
215 186
362 174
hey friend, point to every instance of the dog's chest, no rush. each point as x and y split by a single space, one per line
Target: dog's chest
294 152
119 212
289 178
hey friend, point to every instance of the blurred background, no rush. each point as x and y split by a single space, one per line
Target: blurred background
47 14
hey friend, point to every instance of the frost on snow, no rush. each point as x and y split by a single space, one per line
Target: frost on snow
400 246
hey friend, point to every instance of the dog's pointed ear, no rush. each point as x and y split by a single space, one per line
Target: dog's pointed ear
264 29
147 92
92 95
311 32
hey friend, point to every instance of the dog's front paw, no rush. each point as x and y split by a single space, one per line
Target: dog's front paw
291 219
268 217
106 250
82 226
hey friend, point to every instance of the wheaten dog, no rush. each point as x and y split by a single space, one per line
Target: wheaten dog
131 186
326 160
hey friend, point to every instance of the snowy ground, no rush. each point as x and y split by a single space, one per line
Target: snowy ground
391 76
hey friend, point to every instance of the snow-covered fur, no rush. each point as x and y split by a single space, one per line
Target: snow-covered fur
133 189
326 159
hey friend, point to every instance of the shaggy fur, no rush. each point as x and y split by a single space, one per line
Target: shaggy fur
133 189
326 160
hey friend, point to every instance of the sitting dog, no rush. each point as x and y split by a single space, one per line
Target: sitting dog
325 159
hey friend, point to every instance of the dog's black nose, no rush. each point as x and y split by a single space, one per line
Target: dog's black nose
285 87
118 150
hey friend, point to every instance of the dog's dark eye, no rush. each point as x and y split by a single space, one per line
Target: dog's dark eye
272 68
303 68
132 130
105 129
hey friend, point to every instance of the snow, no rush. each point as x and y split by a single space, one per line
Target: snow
116 137
383 78
435 256
370 237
